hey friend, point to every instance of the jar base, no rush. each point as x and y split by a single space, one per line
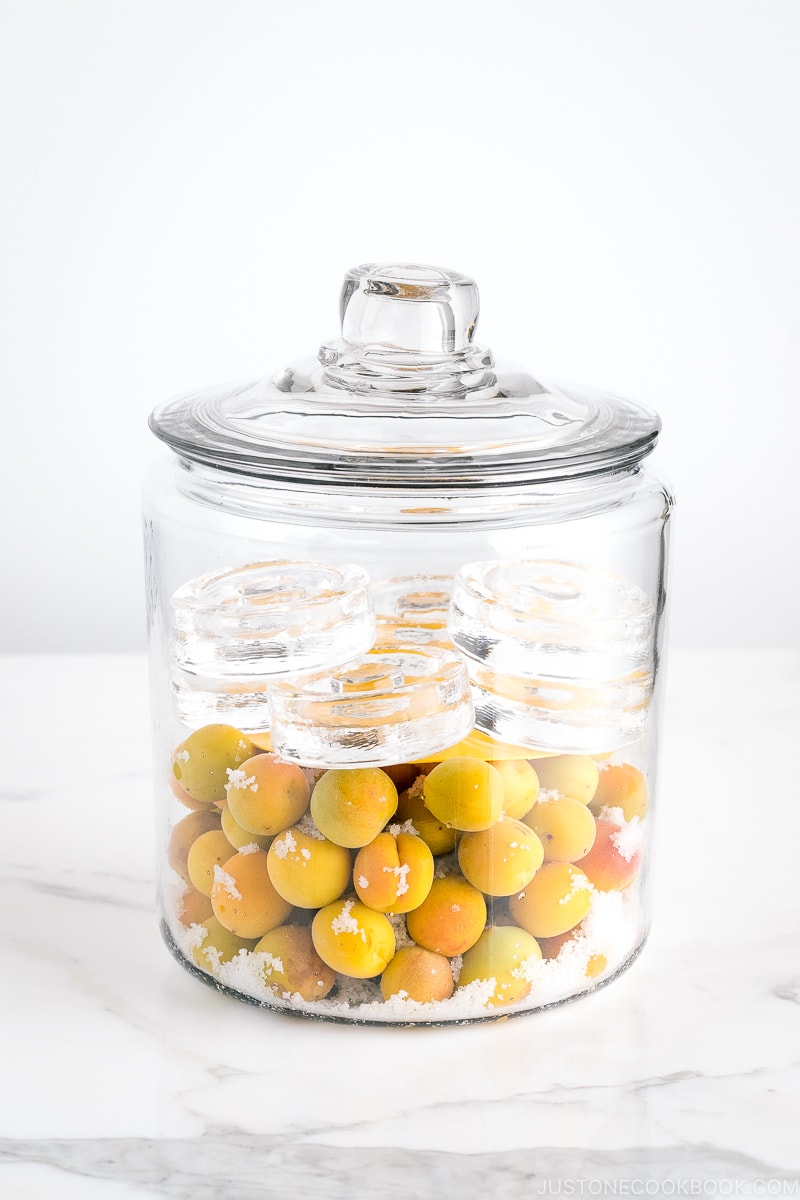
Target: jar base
342 1018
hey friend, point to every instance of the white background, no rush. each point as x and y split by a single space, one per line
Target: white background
185 183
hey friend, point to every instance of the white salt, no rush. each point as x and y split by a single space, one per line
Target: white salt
238 778
306 825
446 864
613 927
306 853
182 756
406 827
227 882
363 882
271 962
345 922
475 995
188 939
527 968
629 839
401 934
401 874
417 789
547 794
285 844
580 883
246 973
250 848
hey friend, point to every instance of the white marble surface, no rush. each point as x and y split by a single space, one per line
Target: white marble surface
123 1077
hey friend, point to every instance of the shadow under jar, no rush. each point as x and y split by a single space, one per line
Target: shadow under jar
405 614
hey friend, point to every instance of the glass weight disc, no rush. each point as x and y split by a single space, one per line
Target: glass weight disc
237 629
559 654
395 704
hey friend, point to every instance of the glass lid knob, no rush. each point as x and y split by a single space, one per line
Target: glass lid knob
408 327
408 308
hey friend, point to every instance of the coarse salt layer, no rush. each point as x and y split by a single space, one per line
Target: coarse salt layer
613 927
306 825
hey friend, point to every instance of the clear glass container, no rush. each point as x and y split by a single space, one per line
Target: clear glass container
406 615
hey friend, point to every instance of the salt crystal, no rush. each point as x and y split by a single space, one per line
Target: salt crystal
401 874
401 934
629 839
285 845
455 908
363 882
182 756
313 776
406 827
237 778
212 956
444 865
227 882
477 994
271 962
416 791
306 825
306 853
250 848
527 968
346 923
580 883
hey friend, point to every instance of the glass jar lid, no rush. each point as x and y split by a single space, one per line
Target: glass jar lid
404 398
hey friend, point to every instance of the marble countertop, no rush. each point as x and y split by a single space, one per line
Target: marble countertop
122 1077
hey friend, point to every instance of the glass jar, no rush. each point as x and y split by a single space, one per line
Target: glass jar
405 614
